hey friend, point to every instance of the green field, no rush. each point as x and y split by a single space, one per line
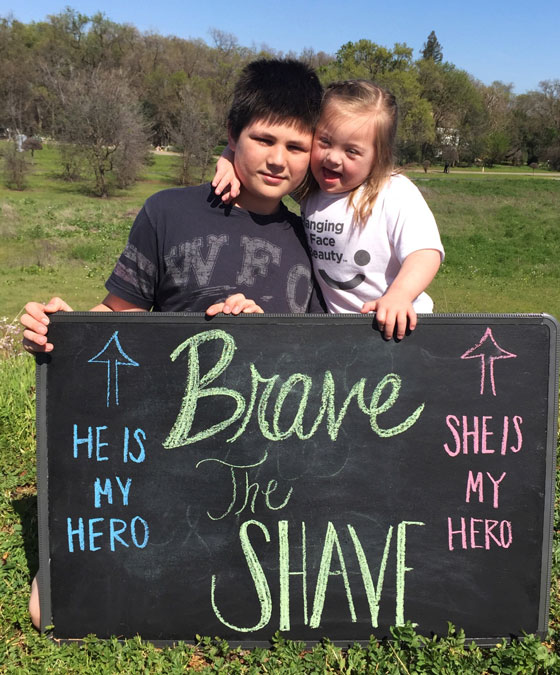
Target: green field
501 234
502 240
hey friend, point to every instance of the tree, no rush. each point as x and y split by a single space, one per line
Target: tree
195 134
368 60
432 49
103 122
536 116
17 74
15 168
457 108
496 145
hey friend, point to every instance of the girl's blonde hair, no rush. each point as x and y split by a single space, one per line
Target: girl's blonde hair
356 97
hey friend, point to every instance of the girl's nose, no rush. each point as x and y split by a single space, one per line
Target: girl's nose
332 158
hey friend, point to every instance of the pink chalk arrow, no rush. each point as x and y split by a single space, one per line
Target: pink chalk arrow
488 351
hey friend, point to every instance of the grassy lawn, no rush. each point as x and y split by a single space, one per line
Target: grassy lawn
56 239
502 239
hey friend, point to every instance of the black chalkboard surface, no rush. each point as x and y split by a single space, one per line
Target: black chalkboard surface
238 476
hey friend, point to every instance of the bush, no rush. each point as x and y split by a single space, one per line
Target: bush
15 168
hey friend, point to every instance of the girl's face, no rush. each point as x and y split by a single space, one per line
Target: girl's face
342 154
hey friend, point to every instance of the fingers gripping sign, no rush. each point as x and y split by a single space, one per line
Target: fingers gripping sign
36 320
235 304
393 317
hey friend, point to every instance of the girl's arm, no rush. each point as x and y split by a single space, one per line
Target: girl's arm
226 182
394 309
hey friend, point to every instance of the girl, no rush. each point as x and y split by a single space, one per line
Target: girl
374 242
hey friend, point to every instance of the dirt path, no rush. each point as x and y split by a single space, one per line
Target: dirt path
552 174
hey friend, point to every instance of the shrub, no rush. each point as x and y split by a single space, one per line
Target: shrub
15 168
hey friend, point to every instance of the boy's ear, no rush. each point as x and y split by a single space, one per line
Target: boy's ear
231 140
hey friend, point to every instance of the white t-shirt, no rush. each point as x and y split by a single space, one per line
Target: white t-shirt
355 264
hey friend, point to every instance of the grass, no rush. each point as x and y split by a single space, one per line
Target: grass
502 239
58 240
496 169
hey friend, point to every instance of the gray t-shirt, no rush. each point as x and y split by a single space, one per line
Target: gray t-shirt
187 251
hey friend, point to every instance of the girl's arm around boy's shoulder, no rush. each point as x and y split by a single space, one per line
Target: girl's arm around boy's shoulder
225 181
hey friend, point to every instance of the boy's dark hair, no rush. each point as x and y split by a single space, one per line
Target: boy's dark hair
277 91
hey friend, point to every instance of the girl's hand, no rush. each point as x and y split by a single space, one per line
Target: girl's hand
393 315
35 322
394 308
226 183
235 304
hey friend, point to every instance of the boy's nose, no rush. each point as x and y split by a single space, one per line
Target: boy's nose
276 156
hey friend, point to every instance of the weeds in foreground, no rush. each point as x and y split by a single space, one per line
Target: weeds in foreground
10 338
406 653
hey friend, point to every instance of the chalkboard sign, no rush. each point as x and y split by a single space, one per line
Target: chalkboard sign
238 476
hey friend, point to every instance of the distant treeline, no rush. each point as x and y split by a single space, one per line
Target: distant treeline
77 78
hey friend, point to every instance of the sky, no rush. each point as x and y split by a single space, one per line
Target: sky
515 42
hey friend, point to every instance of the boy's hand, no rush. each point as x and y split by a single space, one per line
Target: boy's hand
393 314
226 183
35 322
235 304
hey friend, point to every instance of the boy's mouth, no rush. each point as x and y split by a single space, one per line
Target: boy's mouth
272 179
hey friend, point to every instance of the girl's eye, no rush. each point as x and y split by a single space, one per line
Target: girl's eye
352 151
323 142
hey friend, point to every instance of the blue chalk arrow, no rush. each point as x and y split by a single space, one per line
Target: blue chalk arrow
114 355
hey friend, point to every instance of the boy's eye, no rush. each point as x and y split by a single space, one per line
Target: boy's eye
297 148
263 141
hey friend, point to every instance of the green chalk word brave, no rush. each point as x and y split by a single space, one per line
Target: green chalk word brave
259 400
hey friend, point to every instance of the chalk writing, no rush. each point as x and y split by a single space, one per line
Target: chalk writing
107 491
473 435
196 388
93 441
114 356
491 532
477 485
327 569
488 351
235 470
107 532
110 530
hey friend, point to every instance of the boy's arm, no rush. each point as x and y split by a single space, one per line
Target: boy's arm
36 319
394 309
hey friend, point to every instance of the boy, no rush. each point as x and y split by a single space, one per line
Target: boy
187 252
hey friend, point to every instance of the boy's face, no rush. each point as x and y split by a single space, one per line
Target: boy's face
271 160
